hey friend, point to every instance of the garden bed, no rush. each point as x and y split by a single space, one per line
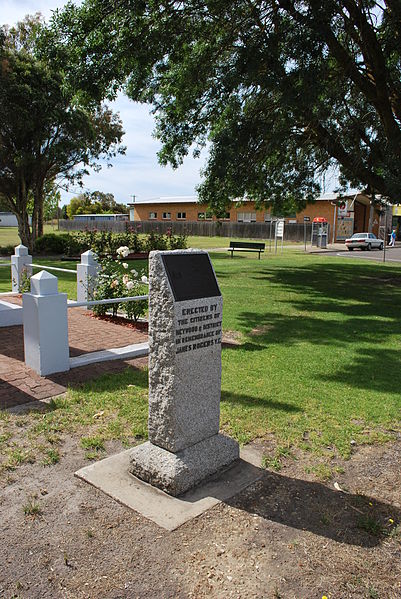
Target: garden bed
139 325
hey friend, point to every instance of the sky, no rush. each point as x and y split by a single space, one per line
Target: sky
137 172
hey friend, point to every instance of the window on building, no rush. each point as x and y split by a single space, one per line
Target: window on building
268 217
181 215
227 216
246 217
166 215
152 215
205 215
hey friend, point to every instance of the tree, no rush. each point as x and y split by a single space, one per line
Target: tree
46 131
4 204
282 90
95 202
51 200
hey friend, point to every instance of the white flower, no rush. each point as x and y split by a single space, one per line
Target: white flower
129 284
134 272
144 280
125 265
123 251
126 279
114 284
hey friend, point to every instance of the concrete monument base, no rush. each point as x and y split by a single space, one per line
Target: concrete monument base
111 476
176 473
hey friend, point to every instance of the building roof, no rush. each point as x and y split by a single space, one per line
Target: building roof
166 200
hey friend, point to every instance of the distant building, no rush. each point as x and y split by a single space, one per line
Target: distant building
101 217
347 214
8 219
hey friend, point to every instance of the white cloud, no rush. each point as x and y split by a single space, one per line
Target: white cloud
15 10
138 172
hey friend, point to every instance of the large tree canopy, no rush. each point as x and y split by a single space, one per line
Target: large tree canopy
281 89
46 132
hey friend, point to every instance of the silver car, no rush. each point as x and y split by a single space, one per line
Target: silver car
364 241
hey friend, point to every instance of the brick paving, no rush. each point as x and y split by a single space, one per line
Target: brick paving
20 384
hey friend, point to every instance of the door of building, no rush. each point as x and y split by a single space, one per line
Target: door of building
360 225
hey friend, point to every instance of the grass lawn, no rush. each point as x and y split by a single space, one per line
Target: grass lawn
318 365
67 282
9 235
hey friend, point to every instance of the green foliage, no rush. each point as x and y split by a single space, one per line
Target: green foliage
32 507
96 202
6 250
46 132
281 91
50 243
25 282
156 241
116 280
105 243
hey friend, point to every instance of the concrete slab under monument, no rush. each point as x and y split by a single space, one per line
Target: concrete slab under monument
112 476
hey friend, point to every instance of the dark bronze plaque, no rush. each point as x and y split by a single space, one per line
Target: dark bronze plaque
191 276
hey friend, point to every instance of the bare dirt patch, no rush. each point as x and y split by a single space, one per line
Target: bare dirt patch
262 330
231 338
288 536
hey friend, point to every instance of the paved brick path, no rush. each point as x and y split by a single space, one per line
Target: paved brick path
19 384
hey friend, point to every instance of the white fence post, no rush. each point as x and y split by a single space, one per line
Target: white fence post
87 273
20 263
45 326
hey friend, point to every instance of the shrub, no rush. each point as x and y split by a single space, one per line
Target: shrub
176 242
73 246
6 250
50 243
116 280
156 241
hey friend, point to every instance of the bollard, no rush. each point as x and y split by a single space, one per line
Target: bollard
20 263
87 273
45 326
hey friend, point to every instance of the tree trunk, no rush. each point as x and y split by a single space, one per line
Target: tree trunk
40 218
34 222
24 231
21 213
38 208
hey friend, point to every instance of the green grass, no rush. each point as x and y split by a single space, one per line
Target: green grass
321 360
9 235
32 507
319 364
205 243
67 282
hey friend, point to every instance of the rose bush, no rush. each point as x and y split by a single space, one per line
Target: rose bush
116 280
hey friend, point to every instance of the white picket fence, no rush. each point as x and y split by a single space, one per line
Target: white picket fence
44 314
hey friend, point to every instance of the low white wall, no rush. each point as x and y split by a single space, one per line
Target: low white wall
10 314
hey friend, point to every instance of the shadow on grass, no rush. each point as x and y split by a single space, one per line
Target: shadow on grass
248 401
362 304
311 506
368 283
99 378
93 379
373 369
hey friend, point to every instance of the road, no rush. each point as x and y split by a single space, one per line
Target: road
392 254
